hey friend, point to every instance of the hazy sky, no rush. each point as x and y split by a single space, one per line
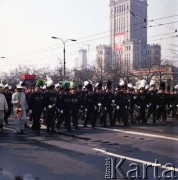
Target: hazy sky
26 28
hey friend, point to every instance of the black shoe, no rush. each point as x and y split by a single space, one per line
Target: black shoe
20 132
85 126
27 126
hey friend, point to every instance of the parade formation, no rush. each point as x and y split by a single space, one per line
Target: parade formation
66 104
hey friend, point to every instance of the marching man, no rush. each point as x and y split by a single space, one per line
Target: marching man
3 107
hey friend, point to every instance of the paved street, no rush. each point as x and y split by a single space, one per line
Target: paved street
81 154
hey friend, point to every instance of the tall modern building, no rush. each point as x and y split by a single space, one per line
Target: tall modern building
81 61
128 32
103 57
153 54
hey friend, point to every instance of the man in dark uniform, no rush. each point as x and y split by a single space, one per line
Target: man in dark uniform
100 105
169 100
161 105
130 101
36 106
80 95
142 102
152 101
60 111
50 99
108 109
75 105
121 104
67 105
174 102
8 96
89 105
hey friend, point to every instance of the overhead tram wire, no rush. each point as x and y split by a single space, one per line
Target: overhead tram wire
95 39
52 47
94 49
126 26
122 51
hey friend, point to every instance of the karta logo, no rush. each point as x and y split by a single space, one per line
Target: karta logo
123 169
119 39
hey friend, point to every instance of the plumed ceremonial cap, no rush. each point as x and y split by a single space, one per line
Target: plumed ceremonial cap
98 85
66 85
73 85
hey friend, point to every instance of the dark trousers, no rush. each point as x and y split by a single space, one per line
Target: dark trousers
67 119
36 115
6 116
152 111
60 119
110 114
50 119
161 112
142 115
90 118
75 118
121 114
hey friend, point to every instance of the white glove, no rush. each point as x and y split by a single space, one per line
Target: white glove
50 106
99 104
177 105
105 108
147 105
86 110
157 106
30 111
113 101
117 107
44 109
62 111
138 107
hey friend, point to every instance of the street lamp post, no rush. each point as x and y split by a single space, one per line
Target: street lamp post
64 51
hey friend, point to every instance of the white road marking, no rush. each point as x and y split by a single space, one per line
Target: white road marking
140 134
11 129
133 159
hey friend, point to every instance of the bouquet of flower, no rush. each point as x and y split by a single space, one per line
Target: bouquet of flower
18 112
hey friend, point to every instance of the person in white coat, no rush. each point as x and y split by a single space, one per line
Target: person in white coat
3 107
19 108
